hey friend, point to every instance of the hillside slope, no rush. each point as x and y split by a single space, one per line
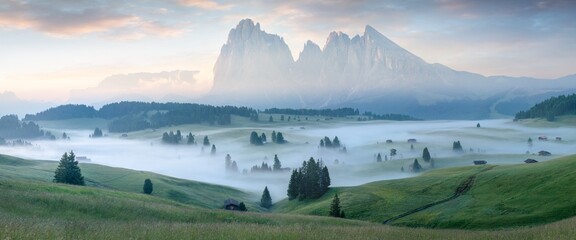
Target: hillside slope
39 210
500 196
189 192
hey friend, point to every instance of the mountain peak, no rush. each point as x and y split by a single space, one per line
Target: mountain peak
247 24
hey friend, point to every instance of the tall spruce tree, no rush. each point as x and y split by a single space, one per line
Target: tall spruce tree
274 136
206 141
416 166
148 186
277 164
266 200
68 170
379 158
335 209
426 155
293 185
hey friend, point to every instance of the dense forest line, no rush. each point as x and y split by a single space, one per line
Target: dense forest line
551 108
339 112
133 116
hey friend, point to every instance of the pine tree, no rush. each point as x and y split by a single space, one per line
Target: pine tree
191 139
335 206
280 138
148 186
336 142
416 166
213 150
529 142
255 139
234 167
426 155
263 138
379 158
325 179
97 133
293 185
68 170
274 136
342 214
242 207
277 164
206 141
266 200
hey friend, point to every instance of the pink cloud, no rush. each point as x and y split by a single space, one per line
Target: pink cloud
205 4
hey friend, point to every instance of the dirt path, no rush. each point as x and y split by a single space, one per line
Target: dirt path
464 187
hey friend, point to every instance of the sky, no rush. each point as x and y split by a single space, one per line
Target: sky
55 50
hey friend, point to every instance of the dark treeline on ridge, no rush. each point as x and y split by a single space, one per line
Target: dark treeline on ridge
551 108
339 112
133 116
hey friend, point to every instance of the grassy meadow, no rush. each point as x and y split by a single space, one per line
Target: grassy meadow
508 200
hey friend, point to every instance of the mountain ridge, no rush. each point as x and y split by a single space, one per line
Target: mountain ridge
256 68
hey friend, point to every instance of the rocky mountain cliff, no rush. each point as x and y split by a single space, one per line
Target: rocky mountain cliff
256 68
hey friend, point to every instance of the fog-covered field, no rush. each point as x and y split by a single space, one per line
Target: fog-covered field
496 141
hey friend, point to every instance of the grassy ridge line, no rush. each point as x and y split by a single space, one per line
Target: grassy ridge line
38 210
184 191
506 196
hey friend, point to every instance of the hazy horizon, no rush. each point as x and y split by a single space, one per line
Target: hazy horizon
54 52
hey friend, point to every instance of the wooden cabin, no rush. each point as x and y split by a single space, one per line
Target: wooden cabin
231 204
480 162
530 160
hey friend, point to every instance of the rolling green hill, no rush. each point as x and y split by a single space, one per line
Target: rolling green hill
184 191
500 197
110 207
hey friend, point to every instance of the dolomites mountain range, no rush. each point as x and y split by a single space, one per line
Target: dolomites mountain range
367 71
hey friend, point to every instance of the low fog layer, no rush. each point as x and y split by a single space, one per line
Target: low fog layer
497 141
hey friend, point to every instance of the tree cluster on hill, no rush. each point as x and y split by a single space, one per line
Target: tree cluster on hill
68 170
390 116
231 166
97 133
457 147
171 137
551 108
326 143
262 168
278 137
133 116
310 181
12 127
256 139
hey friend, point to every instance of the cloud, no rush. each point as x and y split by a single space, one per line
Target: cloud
144 86
205 4
115 20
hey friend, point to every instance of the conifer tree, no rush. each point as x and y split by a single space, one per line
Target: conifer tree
335 206
336 142
280 138
379 158
277 164
426 155
416 166
266 200
242 207
206 141
274 136
228 162
293 185
68 170
191 139
148 186
213 150
263 138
